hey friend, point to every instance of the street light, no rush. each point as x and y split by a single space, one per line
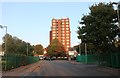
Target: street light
5 43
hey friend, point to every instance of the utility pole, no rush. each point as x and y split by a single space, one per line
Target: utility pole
79 48
27 49
86 51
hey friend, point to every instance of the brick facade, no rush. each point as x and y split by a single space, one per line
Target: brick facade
61 30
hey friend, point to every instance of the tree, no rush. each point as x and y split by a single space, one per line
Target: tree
56 49
9 44
99 27
39 49
15 45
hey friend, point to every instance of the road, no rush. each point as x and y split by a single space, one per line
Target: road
65 68
56 68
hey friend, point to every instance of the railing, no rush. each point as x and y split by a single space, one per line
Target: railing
15 61
107 59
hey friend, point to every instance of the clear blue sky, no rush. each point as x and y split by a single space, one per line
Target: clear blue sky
31 21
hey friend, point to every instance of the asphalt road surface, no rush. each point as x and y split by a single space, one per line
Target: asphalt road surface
64 68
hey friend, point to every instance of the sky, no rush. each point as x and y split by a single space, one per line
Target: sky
31 20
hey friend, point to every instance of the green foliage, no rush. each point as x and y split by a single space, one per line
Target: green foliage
99 27
15 45
56 49
39 49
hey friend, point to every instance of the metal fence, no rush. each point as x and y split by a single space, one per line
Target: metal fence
15 61
108 59
111 59
89 59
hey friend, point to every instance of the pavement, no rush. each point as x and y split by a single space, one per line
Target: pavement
108 70
25 70
21 71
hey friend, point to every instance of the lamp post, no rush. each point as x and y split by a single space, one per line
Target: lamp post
85 42
5 43
79 47
86 51
27 49
85 48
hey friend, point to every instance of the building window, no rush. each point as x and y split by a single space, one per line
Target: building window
63 25
67 40
53 31
53 20
67 37
54 23
63 43
53 28
66 22
62 28
67 31
53 34
67 43
53 37
63 34
67 46
67 49
67 28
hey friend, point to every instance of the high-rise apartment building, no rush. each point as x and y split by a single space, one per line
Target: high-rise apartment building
61 30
